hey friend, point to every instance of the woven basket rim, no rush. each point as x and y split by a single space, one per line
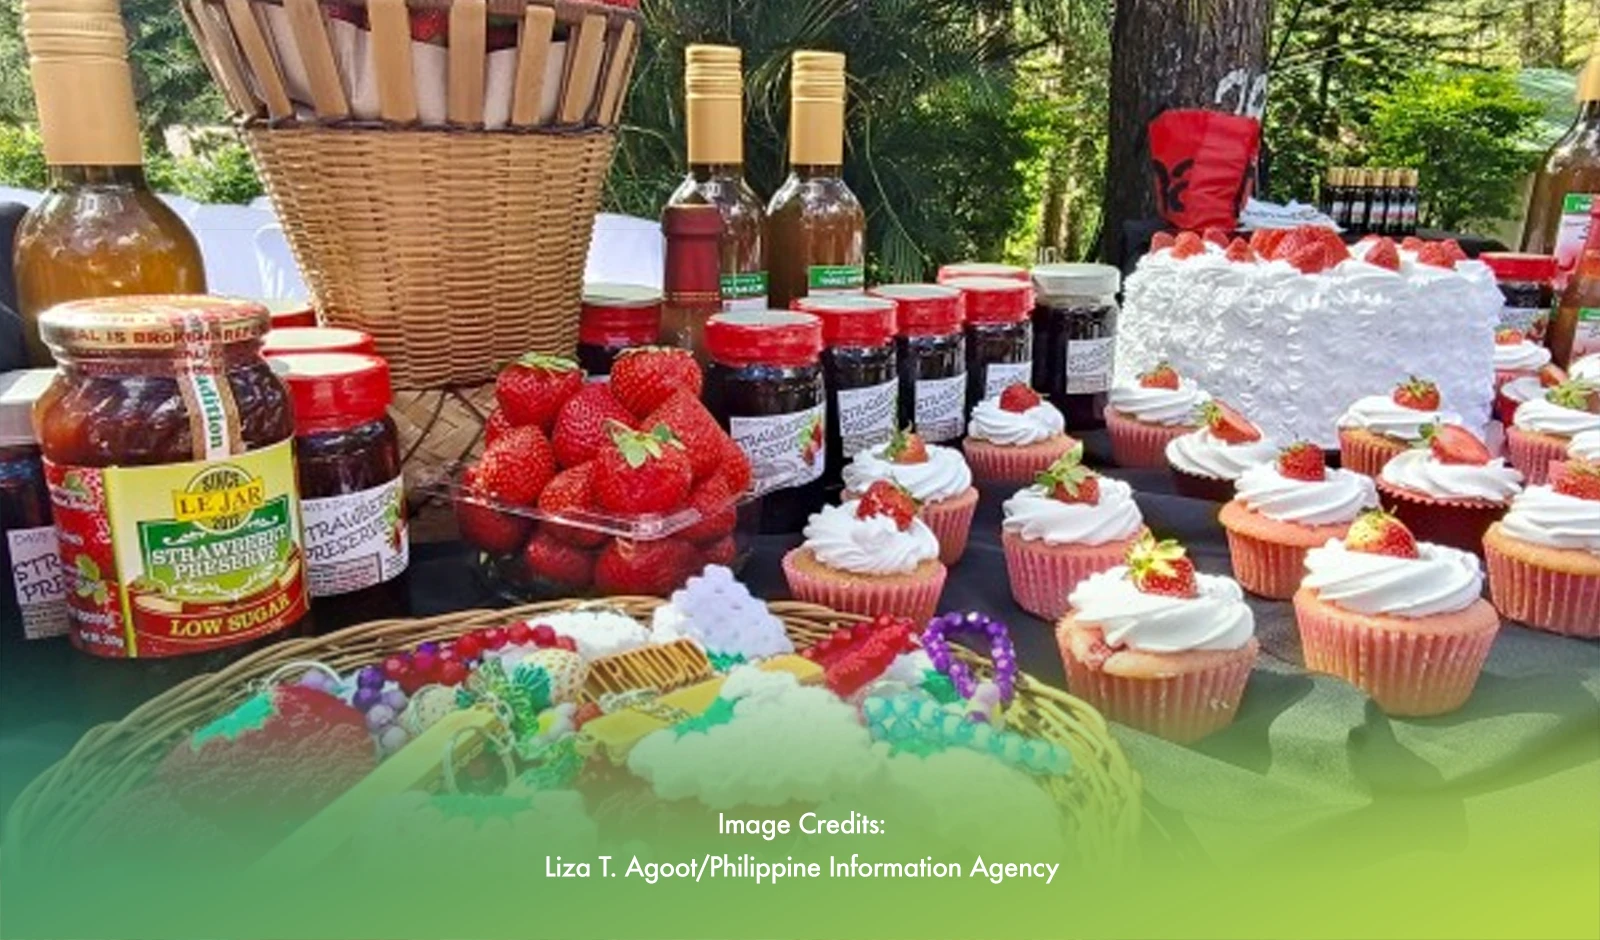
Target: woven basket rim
446 129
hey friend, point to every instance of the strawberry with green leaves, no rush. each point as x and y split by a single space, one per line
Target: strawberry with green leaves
1162 568
1577 395
642 472
1228 425
889 499
532 389
1303 461
906 447
693 425
1376 532
1455 445
1069 481
1018 398
644 377
584 424
1417 394
1162 375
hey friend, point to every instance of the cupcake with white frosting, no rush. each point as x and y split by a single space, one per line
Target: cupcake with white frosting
1545 427
1206 463
1515 357
1284 509
1544 557
869 556
1378 428
1070 524
1158 646
1014 436
937 477
1142 418
1585 446
1404 622
1450 491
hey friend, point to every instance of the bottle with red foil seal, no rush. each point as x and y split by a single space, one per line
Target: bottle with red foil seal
615 317
692 276
999 328
931 352
291 340
859 372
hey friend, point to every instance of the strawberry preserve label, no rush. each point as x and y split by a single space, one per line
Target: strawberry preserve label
1002 375
823 279
1532 322
941 408
357 540
867 416
784 450
1586 340
747 291
1089 365
180 558
1571 234
38 581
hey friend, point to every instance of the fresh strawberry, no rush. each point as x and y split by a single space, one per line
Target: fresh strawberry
494 426
1188 245
735 466
1069 481
1163 375
644 377
1412 244
1162 568
1417 394
694 426
1265 241
1552 375
1294 242
656 567
642 472
1384 254
1228 425
517 466
1434 254
484 525
1577 395
1313 258
1161 241
714 501
531 390
1579 478
1332 241
906 447
571 493
550 559
1303 461
1453 250
1239 252
1509 337
1375 532
1215 236
721 552
584 424
431 26
1453 444
1018 398
888 498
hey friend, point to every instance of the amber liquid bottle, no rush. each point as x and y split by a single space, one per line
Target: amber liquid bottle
816 230
99 230
1563 190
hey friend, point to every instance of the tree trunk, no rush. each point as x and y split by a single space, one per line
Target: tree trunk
1171 54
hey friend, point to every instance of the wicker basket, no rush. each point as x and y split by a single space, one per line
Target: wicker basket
439 430
1100 796
439 198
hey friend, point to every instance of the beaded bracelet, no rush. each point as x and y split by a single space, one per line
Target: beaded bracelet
912 722
936 641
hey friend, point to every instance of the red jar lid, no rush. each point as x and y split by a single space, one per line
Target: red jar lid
1010 272
619 314
924 309
288 312
995 299
852 319
334 391
1510 266
323 339
764 337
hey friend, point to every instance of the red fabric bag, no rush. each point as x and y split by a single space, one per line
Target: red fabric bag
1204 166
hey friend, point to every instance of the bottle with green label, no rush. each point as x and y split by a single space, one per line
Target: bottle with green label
816 230
1564 188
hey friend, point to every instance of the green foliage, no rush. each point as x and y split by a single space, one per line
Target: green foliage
222 173
21 157
1468 133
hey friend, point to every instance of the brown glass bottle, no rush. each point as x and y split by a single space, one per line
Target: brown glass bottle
99 230
1563 189
816 229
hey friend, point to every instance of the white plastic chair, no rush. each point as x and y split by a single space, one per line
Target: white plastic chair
227 236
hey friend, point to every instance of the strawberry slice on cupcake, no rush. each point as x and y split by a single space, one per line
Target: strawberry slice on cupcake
1378 428
1206 463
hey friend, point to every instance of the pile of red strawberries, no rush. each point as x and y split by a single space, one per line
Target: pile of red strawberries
1310 248
559 449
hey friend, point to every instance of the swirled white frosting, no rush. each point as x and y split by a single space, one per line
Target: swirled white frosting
996 425
1523 388
1380 414
943 476
1586 369
1544 517
1442 581
1336 499
1520 357
874 545
1420 471
1585 446
1543 416
1168 406
1218 619
1036 516
1204 454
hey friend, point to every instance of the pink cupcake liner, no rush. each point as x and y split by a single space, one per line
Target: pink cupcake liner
1406 673
1267 569
1556 601
917 599
1533 454
994 463
1367 453
1458 524
951 522
1182 708
1042 576
1136 444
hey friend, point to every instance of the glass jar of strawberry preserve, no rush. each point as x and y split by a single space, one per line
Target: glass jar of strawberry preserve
859 373
168 446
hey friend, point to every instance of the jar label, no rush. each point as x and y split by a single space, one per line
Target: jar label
1090 363
835 279
180 558
867 416
1586 339
941 408
39 581
784 450
1531 322
1003 375
1571 234
747 291
357 540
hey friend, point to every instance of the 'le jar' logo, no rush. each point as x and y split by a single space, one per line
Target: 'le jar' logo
219 499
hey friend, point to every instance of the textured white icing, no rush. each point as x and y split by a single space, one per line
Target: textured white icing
1520 357
1421 472
1442 581
874 545
944 476
1169 406
1544 517
1585 446
1381 414
1036 516
1587 368
1204 454
1543 416
992 423
1337 499
1218 619
1523 388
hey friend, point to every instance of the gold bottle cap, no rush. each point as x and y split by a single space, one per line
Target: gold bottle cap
1589 80
816 112
713 85
78 59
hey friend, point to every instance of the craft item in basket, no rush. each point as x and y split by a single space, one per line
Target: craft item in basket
594 632
988 698
663 668
717 611
916 724
856 656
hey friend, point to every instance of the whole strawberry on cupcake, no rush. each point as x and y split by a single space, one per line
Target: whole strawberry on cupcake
1451 490
937 477
1155 645
1378 428
872 555
1286 508
1403 621
1206 463
1014 435
1544 427
1544 557
1070 524
1515 357
1144 417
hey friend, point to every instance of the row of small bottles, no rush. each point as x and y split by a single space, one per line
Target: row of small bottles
1372 202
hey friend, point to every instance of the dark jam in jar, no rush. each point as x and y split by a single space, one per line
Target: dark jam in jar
1074 339
1527 282
999 334
765 387
931 350
858 366
615 317
352 498
33 588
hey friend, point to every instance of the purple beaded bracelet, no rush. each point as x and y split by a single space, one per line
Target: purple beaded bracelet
936 642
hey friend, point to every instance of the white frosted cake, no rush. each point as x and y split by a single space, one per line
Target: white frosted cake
1293 350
